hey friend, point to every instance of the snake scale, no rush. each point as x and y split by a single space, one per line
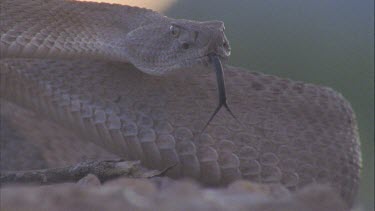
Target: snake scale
69 61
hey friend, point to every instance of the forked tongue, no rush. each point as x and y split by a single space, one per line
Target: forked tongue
215 60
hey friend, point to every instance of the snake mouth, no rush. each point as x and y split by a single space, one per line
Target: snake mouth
201 59
204 60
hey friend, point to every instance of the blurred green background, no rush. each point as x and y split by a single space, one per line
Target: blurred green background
329 42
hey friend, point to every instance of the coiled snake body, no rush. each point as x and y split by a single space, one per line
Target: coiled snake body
66 60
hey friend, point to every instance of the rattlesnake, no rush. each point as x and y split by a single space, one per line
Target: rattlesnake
70 62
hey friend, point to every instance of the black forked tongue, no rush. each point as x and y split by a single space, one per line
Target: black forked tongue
215 60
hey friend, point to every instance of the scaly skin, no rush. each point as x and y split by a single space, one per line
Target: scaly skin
293 133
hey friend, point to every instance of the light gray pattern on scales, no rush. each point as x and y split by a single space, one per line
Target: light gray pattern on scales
293 133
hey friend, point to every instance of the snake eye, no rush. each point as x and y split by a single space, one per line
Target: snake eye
175 31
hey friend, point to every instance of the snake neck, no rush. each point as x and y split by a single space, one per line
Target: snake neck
69 29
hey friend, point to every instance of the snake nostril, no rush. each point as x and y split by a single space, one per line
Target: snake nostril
225 44
185 46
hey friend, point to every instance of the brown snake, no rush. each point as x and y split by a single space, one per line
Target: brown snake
66 60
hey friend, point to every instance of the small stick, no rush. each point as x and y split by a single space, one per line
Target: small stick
104 170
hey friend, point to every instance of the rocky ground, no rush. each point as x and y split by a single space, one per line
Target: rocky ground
168 195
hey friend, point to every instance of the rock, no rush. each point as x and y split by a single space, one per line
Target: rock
89 180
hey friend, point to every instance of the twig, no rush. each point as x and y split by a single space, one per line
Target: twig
104 170
164 171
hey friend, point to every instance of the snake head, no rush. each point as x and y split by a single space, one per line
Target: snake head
164 47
